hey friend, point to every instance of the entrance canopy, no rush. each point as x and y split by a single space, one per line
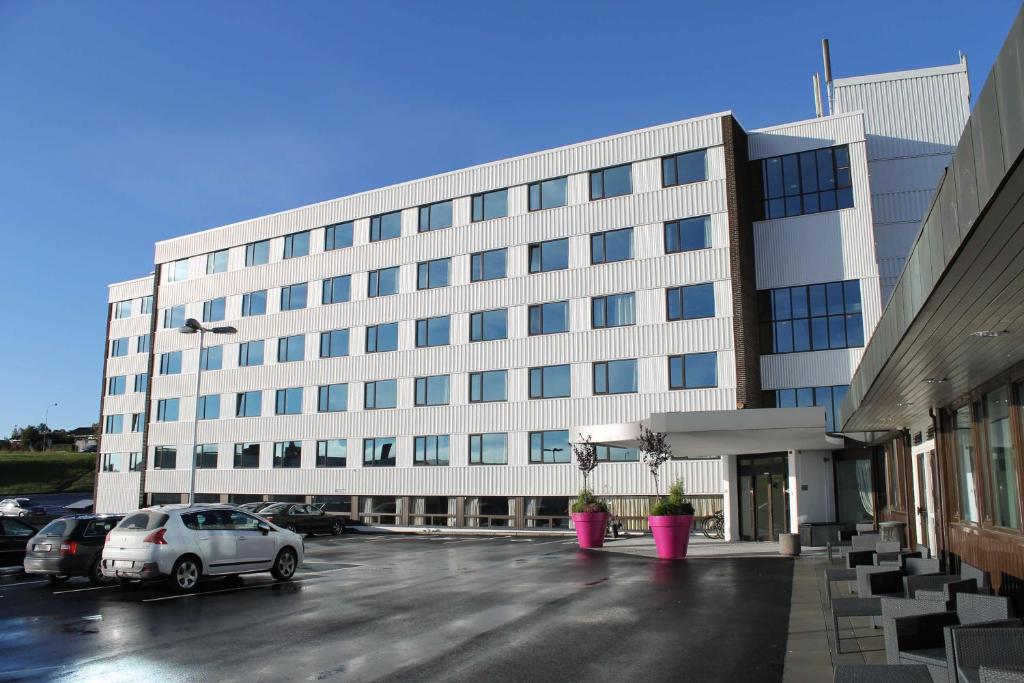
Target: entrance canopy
712 433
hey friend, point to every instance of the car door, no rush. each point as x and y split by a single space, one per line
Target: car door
254 549
215 538
14 534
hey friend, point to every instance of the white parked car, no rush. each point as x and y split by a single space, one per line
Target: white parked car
181 543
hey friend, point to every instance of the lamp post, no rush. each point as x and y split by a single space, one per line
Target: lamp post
552 451
46 422
192 326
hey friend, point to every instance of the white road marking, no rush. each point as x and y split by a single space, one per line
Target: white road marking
79 590
23 583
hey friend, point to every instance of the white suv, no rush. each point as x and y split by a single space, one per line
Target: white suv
182 543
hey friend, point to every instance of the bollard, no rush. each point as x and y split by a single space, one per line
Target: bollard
789 544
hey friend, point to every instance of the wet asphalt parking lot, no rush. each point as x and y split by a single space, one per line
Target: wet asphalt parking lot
411 608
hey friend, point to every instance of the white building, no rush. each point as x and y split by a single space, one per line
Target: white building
426 352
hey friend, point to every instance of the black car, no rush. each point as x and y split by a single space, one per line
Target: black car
70 546
303 519
14 533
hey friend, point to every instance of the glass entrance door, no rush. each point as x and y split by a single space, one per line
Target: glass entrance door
764 499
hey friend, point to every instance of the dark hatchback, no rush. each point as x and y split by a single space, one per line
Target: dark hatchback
303 519
13 535
70 546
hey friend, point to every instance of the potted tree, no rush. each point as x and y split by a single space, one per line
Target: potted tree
589 515
670 518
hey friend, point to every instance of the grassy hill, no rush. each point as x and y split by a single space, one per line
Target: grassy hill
51 472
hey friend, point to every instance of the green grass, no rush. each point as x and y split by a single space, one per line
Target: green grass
51 472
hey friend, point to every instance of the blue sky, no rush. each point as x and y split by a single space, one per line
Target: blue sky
125 123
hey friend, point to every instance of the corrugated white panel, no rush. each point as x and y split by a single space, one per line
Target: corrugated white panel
803 135
118 492
813 369
129 327
127 365
130 289
647 176
901 207
578 189
122 443
901 175
715 163
125 403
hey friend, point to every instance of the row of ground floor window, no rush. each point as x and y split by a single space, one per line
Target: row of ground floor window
522 512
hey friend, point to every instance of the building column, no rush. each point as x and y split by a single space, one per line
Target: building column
793 485
730 498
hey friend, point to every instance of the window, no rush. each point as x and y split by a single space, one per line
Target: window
615 377
685 168
206 456
257 253
829 398
170 363
689 234
211 358
296 244
287 454
165 457
690 302
488 205
807 182
380 394
611 182
962 429
547 194
250 353
551 255
337 290
549 381
432 391
213 310
617 454
610 246
431 274
693 371
167 410
334 343
254 303
142 343
614 310
549 318
811 317
386 226
383 282
488 449
247 456
431 450
293 297
333 453
138 422
114 424
380 338
116 385
174 317
135 463
288 401
436 216
333 398
1001 459
112 462
433 331
379 452
551 446
208 407
141 382
248 404
217 262
119 347
123 309
146 305
485 387
178 270
488 325
487 265
338 236
291 349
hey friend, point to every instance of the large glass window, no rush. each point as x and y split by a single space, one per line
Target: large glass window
213 310
379 452
254 303
174 317
291 348
178 270
248 404
123 309
549 318
208 407
141 382
550 381
551 446
146 305
614 310
211 358
287 454
165 457
333 398
380 338
681 169
802 183
611 182
337 290
436 216
217 262
488 449
386 226
138 422
431 450
119 347
688 234
288 401
332 453
828 398
247 456
382 282
432 391
690 302
550 255
485 387
487 265
338 236
811 317
206 456
250 353
167 410
617 454
334 343
693 371
431 274
293 297
488 205
488 325
964 434
296 244
257 253
615 377
547 194
610 246
380 394
114 424
170 363
116 385
1001 459
433 331
142 343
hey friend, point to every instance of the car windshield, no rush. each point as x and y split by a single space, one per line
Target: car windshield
277 508
58 527
100 527
143 521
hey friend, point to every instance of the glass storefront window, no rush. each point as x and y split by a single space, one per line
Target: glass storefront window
1002 460
965 464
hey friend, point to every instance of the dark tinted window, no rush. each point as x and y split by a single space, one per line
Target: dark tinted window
811 317
58 527
803 183
611 182
680 169
143 521
490 205
547 194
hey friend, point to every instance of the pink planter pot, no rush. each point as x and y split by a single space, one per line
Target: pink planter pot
671 535
590 528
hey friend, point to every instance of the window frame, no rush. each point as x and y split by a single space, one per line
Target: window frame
540 312
331 235
373 281
325 397
425 330
540 185
254 251
284 401
603 302
425 443
674 160
424 273
367 386
539 247
423 386
478 381
682 358
482 197
374 348
599 174
602 237
377 228
212 260
478 322
330 288
680 293
288 294
480 257
541 371
480 438
599 368
556 460
427 210
289 251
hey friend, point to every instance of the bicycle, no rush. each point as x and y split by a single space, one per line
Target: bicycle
714 525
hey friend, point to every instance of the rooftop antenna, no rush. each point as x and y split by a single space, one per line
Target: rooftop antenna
816 79
828 74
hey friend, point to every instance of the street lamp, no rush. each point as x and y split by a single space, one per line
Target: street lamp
192 326
552 451
46 421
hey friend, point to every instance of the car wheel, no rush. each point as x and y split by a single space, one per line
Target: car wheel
96 577
185 574
338 527
58 578
285 565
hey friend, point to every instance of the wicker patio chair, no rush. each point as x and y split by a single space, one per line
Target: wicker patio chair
951 660
947 593
974 647
900 638
880 673
1001 674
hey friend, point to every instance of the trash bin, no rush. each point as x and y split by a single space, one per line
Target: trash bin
789 544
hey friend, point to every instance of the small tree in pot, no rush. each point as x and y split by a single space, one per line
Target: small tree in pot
671 517
656 452
589 515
